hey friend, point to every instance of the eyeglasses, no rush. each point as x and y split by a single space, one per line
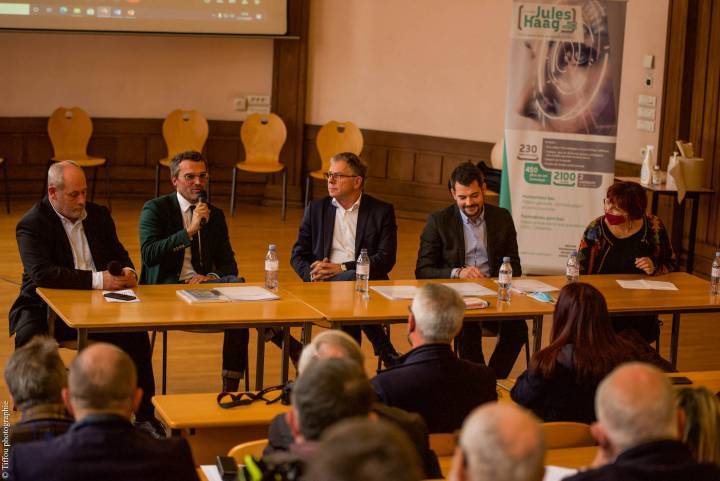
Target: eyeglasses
191 177
335 176
608 206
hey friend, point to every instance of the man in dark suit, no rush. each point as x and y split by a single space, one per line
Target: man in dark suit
66 242
102 393
335 229
468 240
430 380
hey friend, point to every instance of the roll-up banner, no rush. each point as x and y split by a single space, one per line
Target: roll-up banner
560 122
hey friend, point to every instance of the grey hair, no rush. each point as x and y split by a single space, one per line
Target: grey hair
516 453
636 404
56 173
438 312
334 337
35 374
102 383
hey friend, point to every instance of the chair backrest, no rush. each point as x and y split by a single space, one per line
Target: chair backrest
184 130
567 435
253 448
70 131
263 137
443 443
335 137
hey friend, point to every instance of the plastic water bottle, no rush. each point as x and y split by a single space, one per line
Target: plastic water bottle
272 264
505 280
572 269
715 276
362 272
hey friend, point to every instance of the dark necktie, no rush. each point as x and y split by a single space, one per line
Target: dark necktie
195 257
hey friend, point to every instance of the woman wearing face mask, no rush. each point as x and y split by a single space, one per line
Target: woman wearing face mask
626 240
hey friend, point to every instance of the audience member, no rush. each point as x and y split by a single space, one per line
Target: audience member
364 450
102 394
637 431
66 242
430 380
468 240
335 228
700 427
35 376
561 381
499 442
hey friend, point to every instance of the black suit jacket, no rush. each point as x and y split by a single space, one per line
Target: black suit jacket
376 232
107 448
163 240
442 243
48 259
430 380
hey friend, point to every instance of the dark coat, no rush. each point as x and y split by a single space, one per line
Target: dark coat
48 259
376 232
103 447
442 243
163 240
430 380
280 437
655 461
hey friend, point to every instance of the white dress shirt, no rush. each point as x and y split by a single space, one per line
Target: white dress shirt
344 231
187 271
82 257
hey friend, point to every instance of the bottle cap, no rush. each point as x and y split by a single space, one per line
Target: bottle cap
717 253
506 259
573 253
272 247
363 250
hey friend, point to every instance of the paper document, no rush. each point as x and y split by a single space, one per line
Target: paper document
211 472
556 473
645 284
125 292
395 293
470 289
246 293
532 285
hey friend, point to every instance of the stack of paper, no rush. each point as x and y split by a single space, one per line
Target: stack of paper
531 285
395 293
247 293
470 289
645 284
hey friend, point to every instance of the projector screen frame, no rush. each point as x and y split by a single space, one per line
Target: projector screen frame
151 34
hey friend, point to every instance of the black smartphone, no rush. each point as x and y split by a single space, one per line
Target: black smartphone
227 467
120 297
680 380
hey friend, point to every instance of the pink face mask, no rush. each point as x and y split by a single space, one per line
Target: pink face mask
614 219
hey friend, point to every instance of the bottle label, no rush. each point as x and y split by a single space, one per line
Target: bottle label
362 270
571 271
505 278
716 272
272 265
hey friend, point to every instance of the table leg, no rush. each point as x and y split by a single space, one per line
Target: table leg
674 339
260 359
537 333
164 361
82 339
51 318
693 233
285 355
307 333
654 205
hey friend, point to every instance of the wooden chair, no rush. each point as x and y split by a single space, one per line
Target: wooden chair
70 131
333 138
560 435
443 443
5 182
252 448
183 130
263 137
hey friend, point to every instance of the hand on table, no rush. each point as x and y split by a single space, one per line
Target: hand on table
324 269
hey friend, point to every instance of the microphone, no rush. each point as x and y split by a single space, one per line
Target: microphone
203 198
115 268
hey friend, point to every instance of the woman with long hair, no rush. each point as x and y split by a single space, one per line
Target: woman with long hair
700 429
562 378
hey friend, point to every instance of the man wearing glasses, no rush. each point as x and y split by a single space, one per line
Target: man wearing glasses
335 229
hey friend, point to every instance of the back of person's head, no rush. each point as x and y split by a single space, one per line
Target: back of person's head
701 427
635 404
102 379
438 312
35 374
581 318
501 441
365 450
328 391
331 343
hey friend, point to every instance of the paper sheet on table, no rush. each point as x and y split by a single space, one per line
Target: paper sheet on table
475 303
556 473
645 284
247 293
127 292
532 285
395 293
211 472
466 289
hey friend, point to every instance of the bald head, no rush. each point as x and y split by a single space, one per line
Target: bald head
635 404
102 378
58 171
502 441
331 343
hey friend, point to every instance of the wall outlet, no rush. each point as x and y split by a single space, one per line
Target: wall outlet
258 109
646 113
647 100
240 104
645 125
258 100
